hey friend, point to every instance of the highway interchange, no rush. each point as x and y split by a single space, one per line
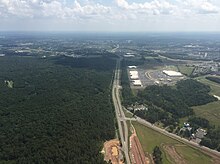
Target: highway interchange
123 128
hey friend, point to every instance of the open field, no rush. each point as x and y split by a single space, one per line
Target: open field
150 138
171 68
210 111
127 114
215 87
185 70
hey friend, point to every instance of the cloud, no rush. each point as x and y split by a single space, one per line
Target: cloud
90 9
121 14
200 6
19 8
50 8
154 7
163 7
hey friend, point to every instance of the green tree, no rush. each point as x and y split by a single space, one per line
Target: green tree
157 155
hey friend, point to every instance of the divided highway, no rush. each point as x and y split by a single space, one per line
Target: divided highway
121 119
123 129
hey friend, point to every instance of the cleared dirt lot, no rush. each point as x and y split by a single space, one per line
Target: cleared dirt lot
112 151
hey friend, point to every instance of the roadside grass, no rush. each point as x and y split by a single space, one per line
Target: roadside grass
129 132
185 70
210 111
150 138
127 114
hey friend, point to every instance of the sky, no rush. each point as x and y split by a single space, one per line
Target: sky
110 15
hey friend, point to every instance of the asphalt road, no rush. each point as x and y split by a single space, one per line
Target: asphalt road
176 137
121 119
192 144
123 130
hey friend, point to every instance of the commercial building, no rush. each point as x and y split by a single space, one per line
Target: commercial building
137 83
134 75
172 73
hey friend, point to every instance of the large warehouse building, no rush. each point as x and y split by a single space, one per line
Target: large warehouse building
137 83
172 73
134 75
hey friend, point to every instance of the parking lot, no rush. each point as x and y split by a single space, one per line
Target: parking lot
155 77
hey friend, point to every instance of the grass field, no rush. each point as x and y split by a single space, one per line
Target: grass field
127 114
193 156
185 70
215 87
149 139
171 67
210 111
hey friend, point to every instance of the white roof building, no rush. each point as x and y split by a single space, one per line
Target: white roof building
137 83
132 66
172 73
134 75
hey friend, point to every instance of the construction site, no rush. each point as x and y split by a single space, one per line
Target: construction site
112 152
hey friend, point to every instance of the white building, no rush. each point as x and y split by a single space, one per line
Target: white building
137 83
132 67
172 73
134 75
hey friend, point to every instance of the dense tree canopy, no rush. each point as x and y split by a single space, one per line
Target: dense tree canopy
55 113
178 101
194 93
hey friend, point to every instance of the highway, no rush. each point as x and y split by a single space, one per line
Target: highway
192 144
120 116
123 129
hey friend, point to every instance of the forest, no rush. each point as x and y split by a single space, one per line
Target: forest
127 95
56 110
174 103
